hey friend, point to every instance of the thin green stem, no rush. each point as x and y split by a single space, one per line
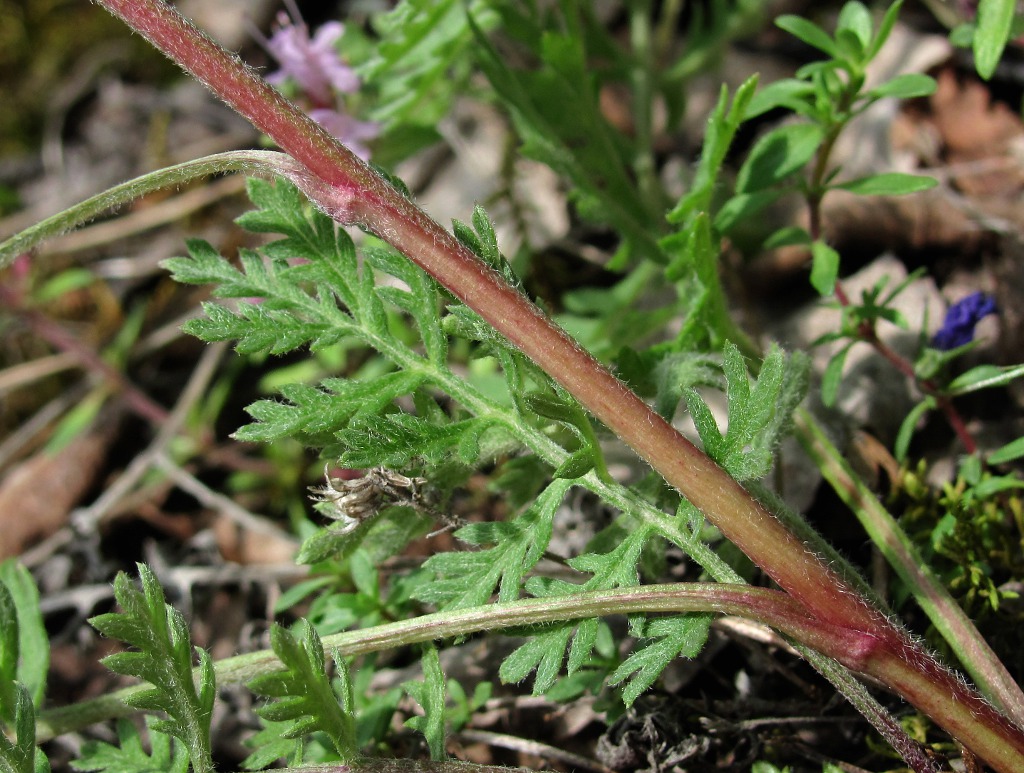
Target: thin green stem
866 332
906 667
254 162
642 79
767 606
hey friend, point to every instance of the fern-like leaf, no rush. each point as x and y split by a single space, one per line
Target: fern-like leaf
430 695
674 637
164 659
129 756
759 414
467 579
546 650
304 695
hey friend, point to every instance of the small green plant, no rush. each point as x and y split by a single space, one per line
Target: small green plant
468 374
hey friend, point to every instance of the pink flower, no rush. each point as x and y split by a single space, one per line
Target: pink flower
318 70
313 63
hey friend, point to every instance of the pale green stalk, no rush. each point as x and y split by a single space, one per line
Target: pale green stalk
264 163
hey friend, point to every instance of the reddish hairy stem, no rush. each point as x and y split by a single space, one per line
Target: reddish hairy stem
353 194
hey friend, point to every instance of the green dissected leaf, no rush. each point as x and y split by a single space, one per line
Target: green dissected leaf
468 579
725 120
545 651
759 414
994 22
695 255
164 660
430 695
554 107
674 637
422 59
281 209
482 240
677 372
777 155
304 695
129 756
824 268
314 414
396 440
24 643
420 300
889 184
270 746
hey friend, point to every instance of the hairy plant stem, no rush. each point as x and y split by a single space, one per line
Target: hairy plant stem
767 606
264 163
352 193
946 615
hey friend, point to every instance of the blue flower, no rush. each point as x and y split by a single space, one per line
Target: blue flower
958 326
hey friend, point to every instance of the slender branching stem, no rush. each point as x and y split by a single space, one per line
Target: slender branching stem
352 193
866 330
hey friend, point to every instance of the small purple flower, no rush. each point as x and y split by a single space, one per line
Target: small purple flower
313 63
318 70
958 327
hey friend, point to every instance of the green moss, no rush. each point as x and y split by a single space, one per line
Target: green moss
976 545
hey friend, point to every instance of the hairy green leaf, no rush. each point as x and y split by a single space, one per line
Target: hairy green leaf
430 695
468 579
759 414
167 755
164 659
674 637
304 695
20 755
545 651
